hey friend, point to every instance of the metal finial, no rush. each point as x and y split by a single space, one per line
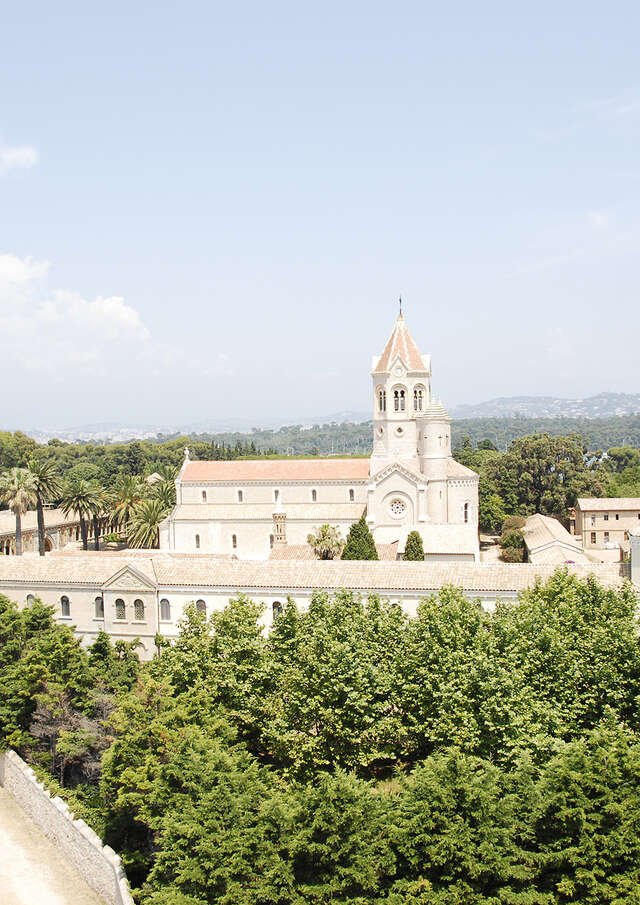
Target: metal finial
400 300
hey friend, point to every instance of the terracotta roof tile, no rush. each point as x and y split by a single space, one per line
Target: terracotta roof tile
242 471
177 570
400 345
608 504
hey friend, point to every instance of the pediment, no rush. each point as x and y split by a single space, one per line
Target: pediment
398 468
128 578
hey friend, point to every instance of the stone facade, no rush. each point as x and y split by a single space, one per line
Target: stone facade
60 530
411 481
605 523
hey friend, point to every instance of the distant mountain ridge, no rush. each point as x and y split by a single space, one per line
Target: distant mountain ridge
604 405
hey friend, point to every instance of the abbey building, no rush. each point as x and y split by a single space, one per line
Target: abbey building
265 508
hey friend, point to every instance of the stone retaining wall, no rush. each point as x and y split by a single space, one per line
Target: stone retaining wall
96 863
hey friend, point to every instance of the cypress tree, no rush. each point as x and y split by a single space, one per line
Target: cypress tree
360 543
413 549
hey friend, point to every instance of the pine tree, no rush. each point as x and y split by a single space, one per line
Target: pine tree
413 549
360 543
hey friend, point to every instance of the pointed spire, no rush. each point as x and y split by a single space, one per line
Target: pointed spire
400 345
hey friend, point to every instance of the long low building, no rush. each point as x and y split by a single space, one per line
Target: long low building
138 594
60 529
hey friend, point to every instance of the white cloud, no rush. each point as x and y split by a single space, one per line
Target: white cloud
56 333
15 270
17 157
599 219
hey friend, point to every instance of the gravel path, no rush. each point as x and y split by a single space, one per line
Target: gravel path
32 872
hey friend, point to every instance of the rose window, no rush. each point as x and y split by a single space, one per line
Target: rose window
397 508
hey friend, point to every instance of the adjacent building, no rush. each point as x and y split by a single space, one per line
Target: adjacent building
606 523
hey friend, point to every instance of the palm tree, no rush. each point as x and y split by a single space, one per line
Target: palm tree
47 487
142 530
18 491
327 542
99 511
165 491
81 497
128 493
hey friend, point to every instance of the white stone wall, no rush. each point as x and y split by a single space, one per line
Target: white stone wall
252 537
254 492
459 492
96 863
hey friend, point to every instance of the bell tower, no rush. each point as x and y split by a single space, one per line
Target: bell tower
401 394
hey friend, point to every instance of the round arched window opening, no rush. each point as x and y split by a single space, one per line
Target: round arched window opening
397 508
399 431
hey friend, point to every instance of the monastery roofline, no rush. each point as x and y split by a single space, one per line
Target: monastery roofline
174 570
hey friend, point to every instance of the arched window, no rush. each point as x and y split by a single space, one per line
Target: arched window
30 599
197 541
201 606
234 541
99 607
121 610
352 494
418 395
65 606
138 610
204 496
240 496
271 541
165 610
466 512
276 608
382 400
314 496
399 400
276 495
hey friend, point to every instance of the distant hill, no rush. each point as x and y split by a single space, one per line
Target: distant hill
604 405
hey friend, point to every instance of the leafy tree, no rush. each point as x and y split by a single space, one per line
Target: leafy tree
47 487
586 817
18 492
414 549
327 542
360 543
452 832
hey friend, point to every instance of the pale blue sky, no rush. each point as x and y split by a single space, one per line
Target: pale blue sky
231 196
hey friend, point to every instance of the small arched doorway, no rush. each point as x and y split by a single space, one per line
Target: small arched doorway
48 545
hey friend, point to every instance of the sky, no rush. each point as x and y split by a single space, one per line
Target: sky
208 210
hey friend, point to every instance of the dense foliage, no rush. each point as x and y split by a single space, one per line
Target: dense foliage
353 755
546 474
360 543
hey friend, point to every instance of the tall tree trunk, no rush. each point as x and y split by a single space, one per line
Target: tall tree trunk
18 533
83 533
96 532
40 510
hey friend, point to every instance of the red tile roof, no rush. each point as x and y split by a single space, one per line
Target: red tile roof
400 345
246 470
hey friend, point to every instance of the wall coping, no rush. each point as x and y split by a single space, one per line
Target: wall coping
10 761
